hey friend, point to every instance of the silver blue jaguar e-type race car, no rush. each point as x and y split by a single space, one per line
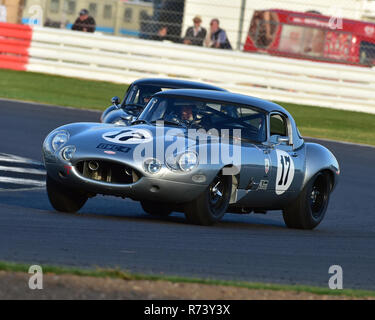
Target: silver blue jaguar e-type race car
200 152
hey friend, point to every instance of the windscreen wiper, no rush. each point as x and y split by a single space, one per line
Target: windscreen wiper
139 121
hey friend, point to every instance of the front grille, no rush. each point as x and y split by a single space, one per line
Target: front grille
107 171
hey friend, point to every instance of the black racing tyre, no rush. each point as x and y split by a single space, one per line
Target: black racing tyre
156 208
212 204
308 210
64 199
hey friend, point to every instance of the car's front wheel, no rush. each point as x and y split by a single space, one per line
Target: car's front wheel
308 210
212 204
64 199
156 208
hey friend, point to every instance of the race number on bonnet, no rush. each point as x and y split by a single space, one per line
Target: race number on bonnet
128 136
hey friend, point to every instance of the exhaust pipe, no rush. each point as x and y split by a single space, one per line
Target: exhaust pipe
93 165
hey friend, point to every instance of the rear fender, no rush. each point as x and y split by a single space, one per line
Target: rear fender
319 158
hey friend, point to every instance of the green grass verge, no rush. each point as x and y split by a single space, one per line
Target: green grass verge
119 274
312 121
333 124
56 90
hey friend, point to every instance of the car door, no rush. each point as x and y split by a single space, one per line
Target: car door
255 164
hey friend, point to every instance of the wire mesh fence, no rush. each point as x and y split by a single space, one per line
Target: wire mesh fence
323 30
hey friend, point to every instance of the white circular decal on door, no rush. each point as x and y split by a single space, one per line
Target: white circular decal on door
128 136
285 171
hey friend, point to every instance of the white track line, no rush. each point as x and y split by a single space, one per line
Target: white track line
22 170
22 189
32 184
10 158
22 181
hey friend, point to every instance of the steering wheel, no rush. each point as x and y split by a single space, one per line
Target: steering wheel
133 108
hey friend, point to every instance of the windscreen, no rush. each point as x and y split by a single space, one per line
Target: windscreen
141 94
194 113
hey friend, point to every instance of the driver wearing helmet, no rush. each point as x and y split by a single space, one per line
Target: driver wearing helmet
186 113
146 93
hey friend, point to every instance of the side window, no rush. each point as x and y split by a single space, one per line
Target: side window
93 9
54 6
278 125
107 13
128 15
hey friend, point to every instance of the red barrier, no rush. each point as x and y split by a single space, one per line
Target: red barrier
14 46
13 62
15 41
17 31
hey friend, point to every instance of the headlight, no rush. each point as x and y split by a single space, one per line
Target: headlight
152 165
59 140
188 161
68 152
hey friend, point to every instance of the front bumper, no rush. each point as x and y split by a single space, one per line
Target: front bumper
146 188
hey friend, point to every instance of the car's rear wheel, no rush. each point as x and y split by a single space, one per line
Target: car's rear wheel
212 204
309 209
64 199
156 208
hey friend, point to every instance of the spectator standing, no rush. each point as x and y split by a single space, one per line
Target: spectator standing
218 37
169 18
162 34
195 35
84 22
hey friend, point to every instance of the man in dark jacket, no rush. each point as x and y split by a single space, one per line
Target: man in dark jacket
218 37
195 35
84 22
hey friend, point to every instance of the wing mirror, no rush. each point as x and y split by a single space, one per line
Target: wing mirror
281 139
115 101
275 140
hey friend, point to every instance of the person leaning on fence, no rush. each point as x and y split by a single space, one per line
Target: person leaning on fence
195 35
218 37
84 22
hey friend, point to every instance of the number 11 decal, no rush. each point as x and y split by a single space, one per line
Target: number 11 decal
285 172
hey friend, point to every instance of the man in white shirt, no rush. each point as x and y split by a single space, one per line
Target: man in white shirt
195 35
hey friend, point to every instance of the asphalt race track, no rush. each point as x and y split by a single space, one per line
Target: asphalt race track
111 232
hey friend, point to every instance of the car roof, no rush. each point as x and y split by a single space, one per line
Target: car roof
229 97
177 83
225 96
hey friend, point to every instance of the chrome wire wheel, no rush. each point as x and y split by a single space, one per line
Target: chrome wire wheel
309 208
210 206
216 197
